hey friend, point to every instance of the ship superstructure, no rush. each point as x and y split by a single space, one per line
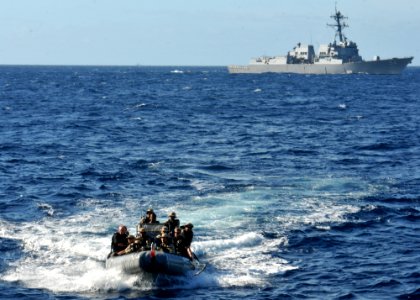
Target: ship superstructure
340 57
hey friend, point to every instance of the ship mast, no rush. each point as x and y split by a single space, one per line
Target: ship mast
338 17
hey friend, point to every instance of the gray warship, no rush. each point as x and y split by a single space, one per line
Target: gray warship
339 57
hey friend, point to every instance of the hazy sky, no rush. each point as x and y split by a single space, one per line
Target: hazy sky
196 32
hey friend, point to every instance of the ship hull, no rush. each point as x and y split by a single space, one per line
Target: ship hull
379 67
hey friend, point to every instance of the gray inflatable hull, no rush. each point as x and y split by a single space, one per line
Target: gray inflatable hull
160 263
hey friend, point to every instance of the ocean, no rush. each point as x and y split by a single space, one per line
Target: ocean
298 186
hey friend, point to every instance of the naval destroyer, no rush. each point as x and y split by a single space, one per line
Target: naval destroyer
340 57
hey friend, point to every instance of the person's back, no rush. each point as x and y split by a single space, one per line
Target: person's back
172 223
179 244
188 234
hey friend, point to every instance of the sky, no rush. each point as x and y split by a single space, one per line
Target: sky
196 32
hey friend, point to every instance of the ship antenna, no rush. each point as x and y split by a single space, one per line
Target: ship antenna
338 17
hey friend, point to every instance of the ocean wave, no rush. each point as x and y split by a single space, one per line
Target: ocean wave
410 295
385 283
142 164
301 240
217 168
105 176
379 147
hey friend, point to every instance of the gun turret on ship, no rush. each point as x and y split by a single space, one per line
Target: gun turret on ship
340 57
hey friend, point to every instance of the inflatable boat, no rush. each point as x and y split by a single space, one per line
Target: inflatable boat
152 261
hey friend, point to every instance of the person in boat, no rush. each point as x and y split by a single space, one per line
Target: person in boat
165 244
119 240
179 244
143 240
163 230
188 234
150 218
133 246
172 223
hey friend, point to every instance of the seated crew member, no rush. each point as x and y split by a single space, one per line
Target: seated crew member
143 240
163 230
165 244
179 244
132 246
119 240
172 223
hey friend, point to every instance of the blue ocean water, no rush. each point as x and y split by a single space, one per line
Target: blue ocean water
298 186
